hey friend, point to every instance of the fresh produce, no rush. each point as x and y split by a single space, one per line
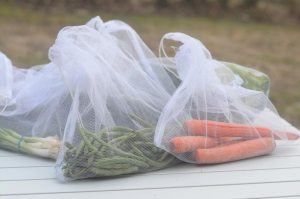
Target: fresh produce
252 79
43 147
184 144
236 151
114 151
213 142
222 129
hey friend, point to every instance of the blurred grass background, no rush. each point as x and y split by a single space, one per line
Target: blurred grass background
262 34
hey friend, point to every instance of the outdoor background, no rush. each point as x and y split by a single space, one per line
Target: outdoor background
263 34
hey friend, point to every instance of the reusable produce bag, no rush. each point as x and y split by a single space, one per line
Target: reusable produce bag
117 98
217 115
29 119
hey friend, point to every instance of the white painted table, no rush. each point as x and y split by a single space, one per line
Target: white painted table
275 176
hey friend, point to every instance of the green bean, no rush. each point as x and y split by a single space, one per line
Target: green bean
86 149
79 150
153 162
117 160
136 151
164 155
103 136
86 140
112 172
114 148
114 166
145 130
116 134
77 161
142 122
76 173
116 129
90 160
117 141
145 144
121 138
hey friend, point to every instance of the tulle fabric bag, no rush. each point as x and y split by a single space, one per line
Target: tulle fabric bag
215 115
29 98
117 96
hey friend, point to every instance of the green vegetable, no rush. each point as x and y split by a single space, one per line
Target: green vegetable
252 79
43 147
128 151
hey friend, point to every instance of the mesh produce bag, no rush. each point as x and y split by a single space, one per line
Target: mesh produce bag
31 109
29 119
217 114
117 96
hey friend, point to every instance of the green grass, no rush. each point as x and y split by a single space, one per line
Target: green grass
26 35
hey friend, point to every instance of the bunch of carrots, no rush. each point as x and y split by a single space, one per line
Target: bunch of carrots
213 142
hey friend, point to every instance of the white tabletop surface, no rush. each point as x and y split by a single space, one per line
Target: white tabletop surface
274 176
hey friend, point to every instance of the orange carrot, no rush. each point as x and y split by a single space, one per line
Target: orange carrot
190 143
238 151
184 144
228 140
221 129
282 135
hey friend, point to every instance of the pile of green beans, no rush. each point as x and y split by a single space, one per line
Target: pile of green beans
114 151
